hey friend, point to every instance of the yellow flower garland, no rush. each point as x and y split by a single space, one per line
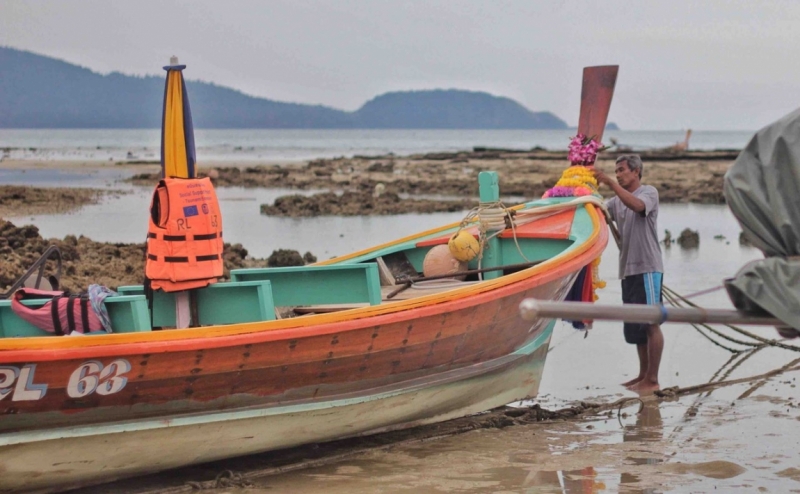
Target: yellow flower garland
597 283
577 176
579 181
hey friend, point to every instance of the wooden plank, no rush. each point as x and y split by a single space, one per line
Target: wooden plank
557 226
231 303
399 265
417 292
314 285
218 303
128 314
386 275
325 308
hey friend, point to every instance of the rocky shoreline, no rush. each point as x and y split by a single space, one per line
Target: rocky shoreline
689 177
85 261
19 200
362 185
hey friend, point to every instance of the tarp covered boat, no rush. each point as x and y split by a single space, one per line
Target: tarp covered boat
761 189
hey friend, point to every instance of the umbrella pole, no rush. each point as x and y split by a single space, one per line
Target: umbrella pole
183 312
185 301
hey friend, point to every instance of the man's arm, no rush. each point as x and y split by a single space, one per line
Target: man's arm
628 199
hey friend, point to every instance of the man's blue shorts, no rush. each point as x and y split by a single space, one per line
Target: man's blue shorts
642 288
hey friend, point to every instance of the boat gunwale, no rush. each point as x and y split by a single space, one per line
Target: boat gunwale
50 349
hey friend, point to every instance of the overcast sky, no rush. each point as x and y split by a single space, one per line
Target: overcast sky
697 64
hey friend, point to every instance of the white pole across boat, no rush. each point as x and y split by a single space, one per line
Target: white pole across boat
532 309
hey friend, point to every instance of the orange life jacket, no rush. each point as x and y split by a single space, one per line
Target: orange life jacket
184 241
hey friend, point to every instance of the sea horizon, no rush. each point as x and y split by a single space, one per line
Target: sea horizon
294 145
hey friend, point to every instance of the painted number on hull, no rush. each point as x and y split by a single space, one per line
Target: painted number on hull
90 377
19 384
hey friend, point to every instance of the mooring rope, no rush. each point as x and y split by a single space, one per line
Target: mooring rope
739 330
675 302
704 292
676 299
495 217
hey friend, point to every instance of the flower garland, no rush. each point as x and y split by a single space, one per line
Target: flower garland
575 181
597 283
583 150
578 180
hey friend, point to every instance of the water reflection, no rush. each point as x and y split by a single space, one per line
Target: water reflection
642 433
583 481
648 428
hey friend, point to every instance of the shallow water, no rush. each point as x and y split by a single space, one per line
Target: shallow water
264 145
737 438
724 447
123 218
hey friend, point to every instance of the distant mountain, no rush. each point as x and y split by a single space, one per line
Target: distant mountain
451 109
42 92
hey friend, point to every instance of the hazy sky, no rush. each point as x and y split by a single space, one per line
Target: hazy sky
683 64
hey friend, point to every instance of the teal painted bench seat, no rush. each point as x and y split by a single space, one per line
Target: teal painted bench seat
219 303
315 285
128 314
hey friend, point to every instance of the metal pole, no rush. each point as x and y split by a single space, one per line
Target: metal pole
532 309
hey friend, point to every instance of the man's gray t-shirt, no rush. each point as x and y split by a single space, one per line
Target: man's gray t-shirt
640 251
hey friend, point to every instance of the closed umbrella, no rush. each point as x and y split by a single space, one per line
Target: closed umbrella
177 154
177 133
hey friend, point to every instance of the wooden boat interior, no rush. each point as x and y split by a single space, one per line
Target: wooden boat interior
367 278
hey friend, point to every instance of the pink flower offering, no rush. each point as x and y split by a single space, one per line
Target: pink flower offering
582 150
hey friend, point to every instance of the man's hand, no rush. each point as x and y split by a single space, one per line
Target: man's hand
601 177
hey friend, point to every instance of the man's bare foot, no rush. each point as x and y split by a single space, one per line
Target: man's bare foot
632 381
645 386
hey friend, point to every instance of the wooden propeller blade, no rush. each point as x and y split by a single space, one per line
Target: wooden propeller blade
596 94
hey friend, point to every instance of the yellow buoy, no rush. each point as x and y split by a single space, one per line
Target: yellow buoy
463 246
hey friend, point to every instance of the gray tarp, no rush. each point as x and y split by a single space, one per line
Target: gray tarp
763 191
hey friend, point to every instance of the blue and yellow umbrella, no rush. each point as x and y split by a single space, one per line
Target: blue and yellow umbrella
177 133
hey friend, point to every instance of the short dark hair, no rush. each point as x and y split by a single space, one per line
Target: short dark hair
634 162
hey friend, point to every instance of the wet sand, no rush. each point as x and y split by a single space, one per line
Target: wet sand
736 438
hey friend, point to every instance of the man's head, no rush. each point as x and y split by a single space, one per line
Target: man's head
629 171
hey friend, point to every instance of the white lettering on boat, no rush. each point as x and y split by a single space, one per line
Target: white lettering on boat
92 376
19 384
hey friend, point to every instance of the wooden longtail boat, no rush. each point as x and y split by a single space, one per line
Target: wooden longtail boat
88 409
361 355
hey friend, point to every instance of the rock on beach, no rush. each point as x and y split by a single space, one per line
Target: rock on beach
361 185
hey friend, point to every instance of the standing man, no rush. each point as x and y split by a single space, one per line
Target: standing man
635 210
